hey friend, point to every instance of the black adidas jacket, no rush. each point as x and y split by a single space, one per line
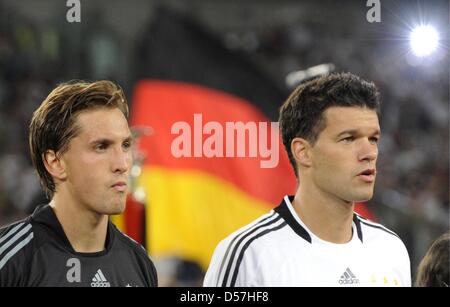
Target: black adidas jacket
36 252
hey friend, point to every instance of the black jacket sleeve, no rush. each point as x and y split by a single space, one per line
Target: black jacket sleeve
16 249
148 268
153 276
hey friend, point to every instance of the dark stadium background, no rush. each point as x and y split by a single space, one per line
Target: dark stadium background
264 41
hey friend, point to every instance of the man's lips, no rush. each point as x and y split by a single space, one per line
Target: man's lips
120 186
367 175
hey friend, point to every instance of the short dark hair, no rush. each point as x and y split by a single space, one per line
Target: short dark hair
433 270
53 123
301 115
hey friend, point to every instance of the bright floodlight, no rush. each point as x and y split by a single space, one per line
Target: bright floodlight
424 40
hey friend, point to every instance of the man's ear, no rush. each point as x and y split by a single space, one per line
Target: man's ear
54 165
301 152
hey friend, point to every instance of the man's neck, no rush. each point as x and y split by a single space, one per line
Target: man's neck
328 217
85 229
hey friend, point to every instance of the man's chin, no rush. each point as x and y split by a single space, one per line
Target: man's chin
115 213
116 209
362 198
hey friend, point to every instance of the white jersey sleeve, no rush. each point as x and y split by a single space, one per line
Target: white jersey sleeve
235 261
225 270
214 269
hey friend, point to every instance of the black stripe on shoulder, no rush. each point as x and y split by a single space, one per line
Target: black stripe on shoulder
246 245
232 242
12 241
8 230
236 247
13 226
283 210
358 226
379 227
13 233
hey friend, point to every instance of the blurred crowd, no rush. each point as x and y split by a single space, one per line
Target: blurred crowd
412 192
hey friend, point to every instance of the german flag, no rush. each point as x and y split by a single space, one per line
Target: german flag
185 75
188 87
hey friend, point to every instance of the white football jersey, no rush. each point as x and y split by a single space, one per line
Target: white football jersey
279 250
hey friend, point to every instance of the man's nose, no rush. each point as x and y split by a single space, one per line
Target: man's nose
368 151
122 161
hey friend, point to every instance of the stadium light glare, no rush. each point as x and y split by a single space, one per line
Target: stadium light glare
424 40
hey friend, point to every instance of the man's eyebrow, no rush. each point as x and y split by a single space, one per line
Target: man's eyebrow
356 132
101 141
128 139
107 141
350 131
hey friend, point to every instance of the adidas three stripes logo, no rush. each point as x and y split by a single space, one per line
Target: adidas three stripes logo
14 240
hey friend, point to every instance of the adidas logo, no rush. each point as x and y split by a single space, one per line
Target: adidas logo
348 278
99 280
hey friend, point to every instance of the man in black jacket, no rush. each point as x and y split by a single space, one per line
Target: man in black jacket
80 144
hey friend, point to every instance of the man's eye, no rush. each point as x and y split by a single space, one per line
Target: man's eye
126 145
100 147
374 140
348 139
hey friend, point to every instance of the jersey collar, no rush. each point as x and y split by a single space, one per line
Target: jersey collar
45 215
284 210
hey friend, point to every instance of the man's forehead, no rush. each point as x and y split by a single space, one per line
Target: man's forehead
348 115
353 119
102 123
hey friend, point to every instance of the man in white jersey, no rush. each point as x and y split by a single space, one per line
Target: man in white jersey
330 130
